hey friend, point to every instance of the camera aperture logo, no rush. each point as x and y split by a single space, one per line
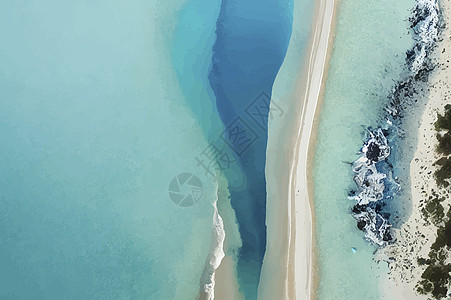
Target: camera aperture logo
185 189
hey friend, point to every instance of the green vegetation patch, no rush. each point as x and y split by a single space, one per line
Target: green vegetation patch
436 278
443 124
444 144
443 173
433 210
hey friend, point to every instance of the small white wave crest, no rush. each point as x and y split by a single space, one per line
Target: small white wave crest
215 255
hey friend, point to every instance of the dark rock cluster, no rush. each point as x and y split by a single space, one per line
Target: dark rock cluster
369 196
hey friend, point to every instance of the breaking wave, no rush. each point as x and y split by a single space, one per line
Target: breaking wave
215 255
371 188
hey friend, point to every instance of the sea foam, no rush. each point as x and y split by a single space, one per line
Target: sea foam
215 255
371 188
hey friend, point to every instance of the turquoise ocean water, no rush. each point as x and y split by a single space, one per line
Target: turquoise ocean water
102 105
368 58
95 124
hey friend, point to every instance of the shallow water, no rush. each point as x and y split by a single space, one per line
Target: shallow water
362 72
101 106
95 125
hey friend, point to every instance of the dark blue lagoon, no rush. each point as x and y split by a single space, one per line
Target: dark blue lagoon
252 40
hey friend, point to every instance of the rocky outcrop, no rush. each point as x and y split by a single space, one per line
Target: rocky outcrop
372 171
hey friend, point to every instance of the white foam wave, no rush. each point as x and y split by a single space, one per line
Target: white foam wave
215 255
426 29
370 183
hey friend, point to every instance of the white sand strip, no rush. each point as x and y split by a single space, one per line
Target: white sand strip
303 211
287 267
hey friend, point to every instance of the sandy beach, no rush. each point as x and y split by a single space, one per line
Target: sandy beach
417 235
301 188
288 263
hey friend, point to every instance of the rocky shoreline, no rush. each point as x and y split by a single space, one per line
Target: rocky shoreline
373 173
